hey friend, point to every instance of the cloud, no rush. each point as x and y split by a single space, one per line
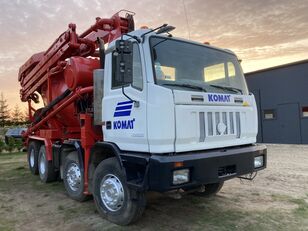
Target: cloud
262 33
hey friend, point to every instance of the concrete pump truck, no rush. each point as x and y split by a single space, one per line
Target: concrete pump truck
129 111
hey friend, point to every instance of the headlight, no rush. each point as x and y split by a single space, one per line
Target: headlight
259 161
180 176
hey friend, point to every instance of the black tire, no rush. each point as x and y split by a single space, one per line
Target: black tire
210 189
132 202
45 167
32 157
74 191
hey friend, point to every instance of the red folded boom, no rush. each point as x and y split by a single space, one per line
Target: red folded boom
63 77
36 71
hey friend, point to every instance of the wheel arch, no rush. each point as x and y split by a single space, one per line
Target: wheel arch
99 152
36 140
134 165
46 142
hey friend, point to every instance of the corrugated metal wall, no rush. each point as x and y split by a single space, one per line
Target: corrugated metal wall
282 97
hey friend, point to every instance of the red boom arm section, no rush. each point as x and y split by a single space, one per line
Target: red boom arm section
35 72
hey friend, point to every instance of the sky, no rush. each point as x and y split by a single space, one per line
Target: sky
263 33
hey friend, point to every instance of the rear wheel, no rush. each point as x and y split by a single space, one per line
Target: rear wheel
73 178
33 151
113 199
210 189
45 168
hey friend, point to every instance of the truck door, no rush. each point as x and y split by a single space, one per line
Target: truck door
125 116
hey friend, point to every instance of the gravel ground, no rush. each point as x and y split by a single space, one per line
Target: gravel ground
277 199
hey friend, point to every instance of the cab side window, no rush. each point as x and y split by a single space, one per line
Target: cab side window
137 70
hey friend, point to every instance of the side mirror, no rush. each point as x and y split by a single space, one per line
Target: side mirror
123 58
165 29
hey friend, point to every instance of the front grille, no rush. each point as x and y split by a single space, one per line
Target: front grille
219 124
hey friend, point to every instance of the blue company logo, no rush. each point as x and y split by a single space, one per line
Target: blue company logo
219 98
123 109
124 124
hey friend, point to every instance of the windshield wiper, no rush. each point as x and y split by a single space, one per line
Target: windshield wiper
236 90
185 85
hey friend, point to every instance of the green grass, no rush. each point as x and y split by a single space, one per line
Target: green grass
78 209
302 210
6 225
255 193
217 217
16 173
302 206
12 155
194 213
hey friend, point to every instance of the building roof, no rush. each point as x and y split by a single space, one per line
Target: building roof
277 67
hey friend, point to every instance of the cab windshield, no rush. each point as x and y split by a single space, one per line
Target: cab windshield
187 66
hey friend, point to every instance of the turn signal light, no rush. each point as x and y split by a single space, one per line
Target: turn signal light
178 164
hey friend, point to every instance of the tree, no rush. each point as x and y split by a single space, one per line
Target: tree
25 117
17 116
13 144
2 145
4 111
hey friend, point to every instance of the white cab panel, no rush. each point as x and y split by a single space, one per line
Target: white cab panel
161 125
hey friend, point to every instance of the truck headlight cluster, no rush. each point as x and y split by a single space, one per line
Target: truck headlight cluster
259 161
180 176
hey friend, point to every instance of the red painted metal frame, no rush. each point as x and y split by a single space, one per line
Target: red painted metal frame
89 134
88 138
44 74
47 143
76 94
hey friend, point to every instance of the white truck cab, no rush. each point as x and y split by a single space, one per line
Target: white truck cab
190 97
181 107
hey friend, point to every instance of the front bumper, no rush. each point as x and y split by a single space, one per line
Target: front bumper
205 167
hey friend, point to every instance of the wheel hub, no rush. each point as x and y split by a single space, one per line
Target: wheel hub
32 158
112 192
73 176
42 164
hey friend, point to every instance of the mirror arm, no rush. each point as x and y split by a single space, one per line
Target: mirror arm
133 37
157 28
136 103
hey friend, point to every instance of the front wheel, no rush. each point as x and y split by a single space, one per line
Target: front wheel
113 199
210 189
